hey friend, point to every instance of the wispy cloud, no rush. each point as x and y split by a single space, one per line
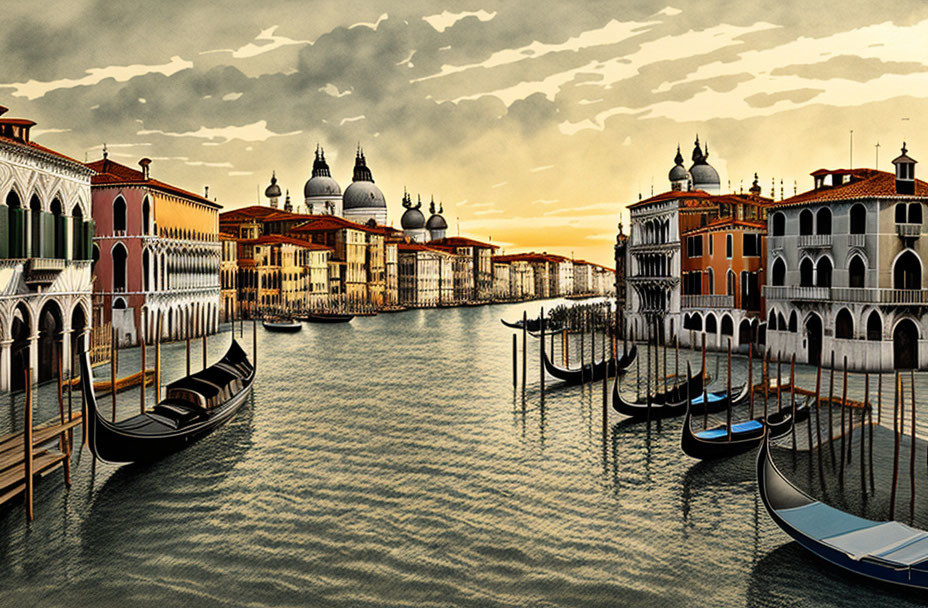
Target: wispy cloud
256 131
33 89
344 121
499 185
542 168
372 26
272 42
332 91
446 19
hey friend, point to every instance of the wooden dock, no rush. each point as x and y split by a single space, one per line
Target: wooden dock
35 451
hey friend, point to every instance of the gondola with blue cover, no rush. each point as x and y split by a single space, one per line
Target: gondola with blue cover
745 436
888 551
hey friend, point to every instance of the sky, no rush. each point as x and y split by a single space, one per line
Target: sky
534 123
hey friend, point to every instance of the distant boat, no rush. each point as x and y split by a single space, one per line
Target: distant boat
194 406
327 317
745 436
532 325
888 551
282 325
591 371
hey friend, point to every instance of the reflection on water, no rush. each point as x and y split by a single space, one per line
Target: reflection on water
390 462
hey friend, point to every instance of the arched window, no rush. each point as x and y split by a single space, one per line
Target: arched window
779 224
710 324
59 229
823 221
823 272
779 272
858 219
915 213
856 272
146 216
844 325
146 265
781 321
907 272
35 218
793 321
900 212
772 322
77 233
805 272
805 222
730 282
710 277
119 214
874 327
728 328
119 267
16 226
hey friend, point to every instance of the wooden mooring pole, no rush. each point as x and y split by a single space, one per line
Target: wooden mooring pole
63 438
831 402
114 363
751 381
142 387
912 451
896 416
728 394
187 341
27 444
541 351
157 362
515 364
843 431
524 349
792 397
818 401
863 433
205 333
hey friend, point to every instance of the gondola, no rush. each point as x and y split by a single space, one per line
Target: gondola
532 325
673 403
194 406
282 326
591 371
745 436
327 317
887 551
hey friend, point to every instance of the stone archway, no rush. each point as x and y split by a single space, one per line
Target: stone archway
21 331
814 336
905 345
50 327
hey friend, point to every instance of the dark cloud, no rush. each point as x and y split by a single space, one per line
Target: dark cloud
764 100
860 69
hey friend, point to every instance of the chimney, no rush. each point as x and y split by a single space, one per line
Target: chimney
205 191
144 163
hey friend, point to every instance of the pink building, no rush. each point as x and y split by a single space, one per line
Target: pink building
157 255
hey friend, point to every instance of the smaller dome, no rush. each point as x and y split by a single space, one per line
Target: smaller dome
436 222
363 195
273 191
321 186
704 175
412 219
679 173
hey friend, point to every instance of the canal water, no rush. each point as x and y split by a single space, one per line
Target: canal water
389 462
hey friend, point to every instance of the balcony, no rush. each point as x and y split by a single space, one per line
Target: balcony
708 301
775 242
856 240
790 292
861 295
908 231
815 241
42 271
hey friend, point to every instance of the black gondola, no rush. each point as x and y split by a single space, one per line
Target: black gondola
745 436
672 403
591 371
282 326
327 317
532 325
194 406
887 551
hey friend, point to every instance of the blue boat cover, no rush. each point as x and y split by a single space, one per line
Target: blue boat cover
713 397
819 521
889 541
741 427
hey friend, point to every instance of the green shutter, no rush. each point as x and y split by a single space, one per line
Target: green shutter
89 229
61 227
77 231
48 235
4 231
17 240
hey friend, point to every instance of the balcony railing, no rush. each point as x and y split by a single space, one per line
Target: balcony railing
708 301
790 292
856 240
815 240
909 231
862 295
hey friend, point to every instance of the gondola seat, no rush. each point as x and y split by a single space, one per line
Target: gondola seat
750 426
181 412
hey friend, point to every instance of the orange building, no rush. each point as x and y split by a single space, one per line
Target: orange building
723 262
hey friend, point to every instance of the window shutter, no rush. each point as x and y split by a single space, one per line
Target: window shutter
48 235
17 238
89 229
4 231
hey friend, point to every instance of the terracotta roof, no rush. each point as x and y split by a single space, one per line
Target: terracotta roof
250 212
460 241
273 239
529 257
111 173
323 223
223 236
722 222
31 145
699 198
866 183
